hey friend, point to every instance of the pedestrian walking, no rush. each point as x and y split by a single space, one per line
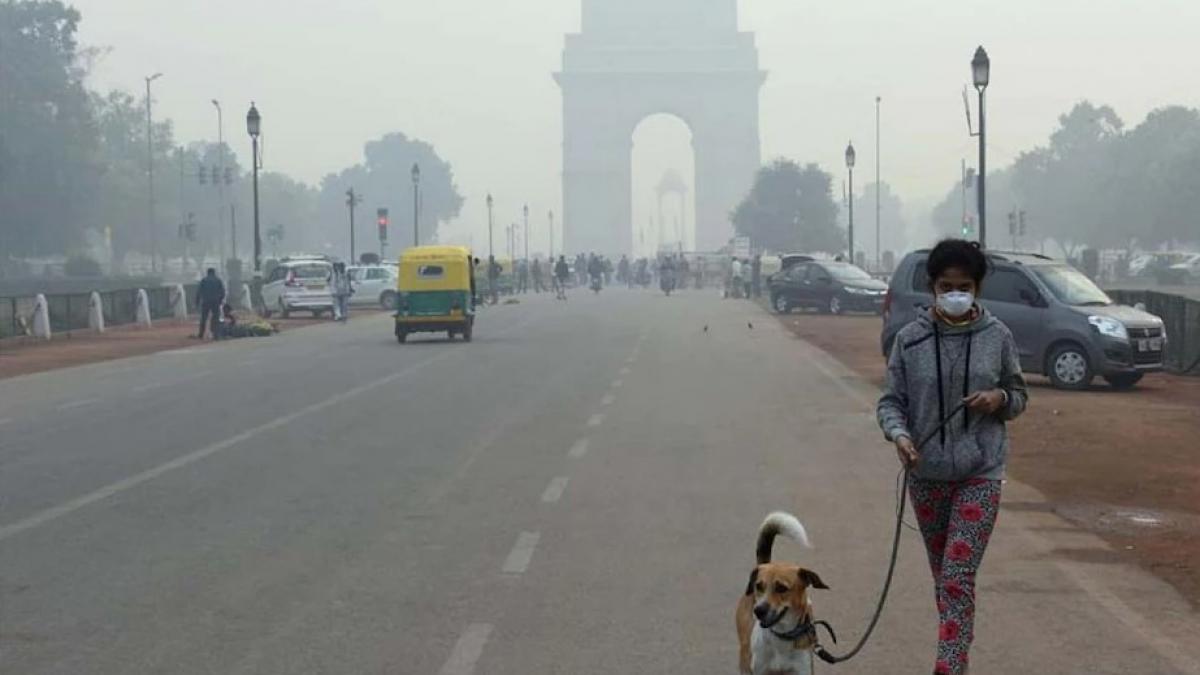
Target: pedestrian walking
493 273
956 353
209 297
342 288
523 276
735 279
756 275
746 282
562 272
536 270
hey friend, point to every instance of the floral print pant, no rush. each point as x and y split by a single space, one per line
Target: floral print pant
956 520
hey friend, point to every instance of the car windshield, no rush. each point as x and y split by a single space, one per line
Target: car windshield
1071 286
847 272
314 271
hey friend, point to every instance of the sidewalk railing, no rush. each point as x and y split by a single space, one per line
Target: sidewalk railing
69 311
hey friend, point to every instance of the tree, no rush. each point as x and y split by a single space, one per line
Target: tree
790 208
46 140
384 178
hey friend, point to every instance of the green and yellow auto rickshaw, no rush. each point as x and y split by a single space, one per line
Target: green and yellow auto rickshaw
435 292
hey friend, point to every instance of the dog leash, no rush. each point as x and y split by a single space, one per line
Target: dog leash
887 583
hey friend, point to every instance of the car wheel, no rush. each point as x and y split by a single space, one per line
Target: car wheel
1069 368
387 300
781 304
835 305
283 309
1124 380
401 336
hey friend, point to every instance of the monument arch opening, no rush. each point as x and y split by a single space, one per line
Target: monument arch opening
637 58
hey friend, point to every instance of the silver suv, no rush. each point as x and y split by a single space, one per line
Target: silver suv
1066 327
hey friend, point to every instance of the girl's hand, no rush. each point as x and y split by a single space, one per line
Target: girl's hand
906 451
988 402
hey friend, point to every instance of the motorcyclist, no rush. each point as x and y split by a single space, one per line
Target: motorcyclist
595 270
666 274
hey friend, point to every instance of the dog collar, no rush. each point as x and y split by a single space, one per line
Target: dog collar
806 628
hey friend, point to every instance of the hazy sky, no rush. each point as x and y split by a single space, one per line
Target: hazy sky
473 78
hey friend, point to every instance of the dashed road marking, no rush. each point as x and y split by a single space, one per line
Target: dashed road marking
158 385
554 491
596 420
467 650
617 383
608 399
579 449
522 553
78 404
4 421
625 370
147 387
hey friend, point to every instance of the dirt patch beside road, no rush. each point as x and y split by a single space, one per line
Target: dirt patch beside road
1125 465
21 356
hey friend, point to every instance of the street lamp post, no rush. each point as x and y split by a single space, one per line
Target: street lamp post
551 220
526 234
850 156
981 67
416 179
254 128
150 177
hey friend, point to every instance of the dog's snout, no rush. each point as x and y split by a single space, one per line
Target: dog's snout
761 610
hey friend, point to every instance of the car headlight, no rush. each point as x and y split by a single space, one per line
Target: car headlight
1109 327
859 291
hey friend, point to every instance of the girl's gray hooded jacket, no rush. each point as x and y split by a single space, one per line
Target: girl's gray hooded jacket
932 367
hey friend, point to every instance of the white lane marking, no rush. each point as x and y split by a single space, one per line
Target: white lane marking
522 553
608 399
56 512
624 370
596 420
78 404
617 383
147 387
467 650
579 449
554 491
246 363
4 421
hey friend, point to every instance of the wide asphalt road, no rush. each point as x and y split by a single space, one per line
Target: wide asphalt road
575 492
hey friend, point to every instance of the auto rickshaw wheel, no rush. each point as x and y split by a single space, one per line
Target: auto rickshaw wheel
466 331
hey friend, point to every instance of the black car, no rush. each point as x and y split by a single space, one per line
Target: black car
832 287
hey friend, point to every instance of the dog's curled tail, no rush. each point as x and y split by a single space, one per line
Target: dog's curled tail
776 524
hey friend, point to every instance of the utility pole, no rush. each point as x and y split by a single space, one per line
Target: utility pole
150 176
878 252
526 234
352 201
221 186
551 214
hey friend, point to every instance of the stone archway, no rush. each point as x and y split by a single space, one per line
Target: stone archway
636 58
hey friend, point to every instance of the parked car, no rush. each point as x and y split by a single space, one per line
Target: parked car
786 262
373 285
832 287
299 284
1186 271
1065 327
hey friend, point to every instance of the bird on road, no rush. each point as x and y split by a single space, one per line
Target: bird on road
749 325
705 328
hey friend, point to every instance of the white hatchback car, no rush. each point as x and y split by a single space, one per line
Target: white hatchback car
373 285
299 285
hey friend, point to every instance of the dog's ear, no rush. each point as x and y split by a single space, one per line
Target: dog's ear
812 580
750 584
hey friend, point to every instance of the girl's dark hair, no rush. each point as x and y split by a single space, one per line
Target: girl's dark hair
960 253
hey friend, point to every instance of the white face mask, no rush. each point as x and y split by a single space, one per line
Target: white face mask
955 303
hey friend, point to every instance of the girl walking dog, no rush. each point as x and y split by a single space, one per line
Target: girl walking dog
956 365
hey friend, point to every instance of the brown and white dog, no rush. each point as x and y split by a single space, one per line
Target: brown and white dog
775 628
